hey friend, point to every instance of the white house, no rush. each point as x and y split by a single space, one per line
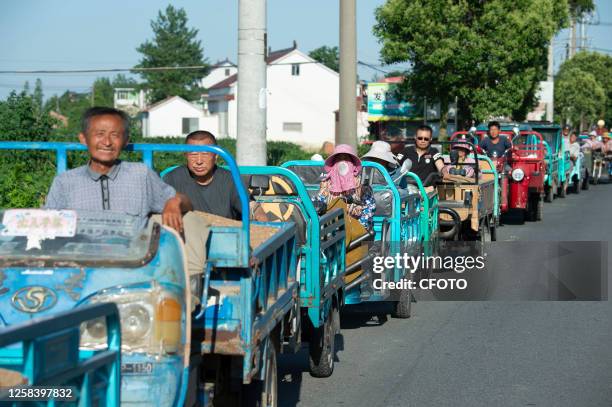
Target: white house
302 98
130 100
174 117
218 72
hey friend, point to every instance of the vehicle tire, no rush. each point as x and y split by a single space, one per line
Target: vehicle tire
539 208
264 393
548 193
585 183
322 348
485 231
577 186
403 307
493 231
562 190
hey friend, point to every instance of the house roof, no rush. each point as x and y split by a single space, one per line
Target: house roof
166 100
223 62
225 82
272 56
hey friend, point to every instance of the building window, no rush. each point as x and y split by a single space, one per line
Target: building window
292 126
227 71
295 69
190 124
123 94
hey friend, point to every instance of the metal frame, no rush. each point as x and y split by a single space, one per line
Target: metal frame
78 369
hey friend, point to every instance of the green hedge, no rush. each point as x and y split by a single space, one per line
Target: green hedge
27 175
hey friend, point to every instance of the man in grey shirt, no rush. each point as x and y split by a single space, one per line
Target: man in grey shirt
106 183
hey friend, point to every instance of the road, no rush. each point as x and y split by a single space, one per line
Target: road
478 353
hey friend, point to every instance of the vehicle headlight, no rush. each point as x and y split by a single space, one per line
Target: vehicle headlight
518 174
150 321
135 322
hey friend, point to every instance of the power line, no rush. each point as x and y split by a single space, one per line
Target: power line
62 71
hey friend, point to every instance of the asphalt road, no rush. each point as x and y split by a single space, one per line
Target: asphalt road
478 353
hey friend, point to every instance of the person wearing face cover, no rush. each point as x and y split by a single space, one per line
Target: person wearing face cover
342 181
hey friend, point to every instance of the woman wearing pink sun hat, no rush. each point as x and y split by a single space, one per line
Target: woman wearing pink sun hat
342 180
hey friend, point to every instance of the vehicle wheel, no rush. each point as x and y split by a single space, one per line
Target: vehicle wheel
485 232
577 186
548 194
322 348
585 183
562 190
403 307
493 231
264 393
539 208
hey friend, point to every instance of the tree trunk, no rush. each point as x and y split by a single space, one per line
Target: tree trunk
443 136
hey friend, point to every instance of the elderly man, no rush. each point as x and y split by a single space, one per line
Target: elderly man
109 184
209 188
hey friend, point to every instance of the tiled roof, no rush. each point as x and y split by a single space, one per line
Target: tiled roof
225 82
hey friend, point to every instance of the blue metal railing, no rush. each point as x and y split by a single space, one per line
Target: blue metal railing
61 332
147 151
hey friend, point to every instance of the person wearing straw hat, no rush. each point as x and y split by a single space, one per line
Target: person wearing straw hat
463 149
342 181
381 153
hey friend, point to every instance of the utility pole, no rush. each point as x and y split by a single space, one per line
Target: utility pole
347 133
252 92
93 93
551 82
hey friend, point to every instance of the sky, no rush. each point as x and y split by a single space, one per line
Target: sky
77 34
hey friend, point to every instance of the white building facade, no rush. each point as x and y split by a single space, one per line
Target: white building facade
176 117
301 100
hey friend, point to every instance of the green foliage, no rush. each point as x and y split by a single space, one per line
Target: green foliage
122 81
20 119
579 96
25 175
174 44
328 56
579 7
38 96
489 54
103 92
600 67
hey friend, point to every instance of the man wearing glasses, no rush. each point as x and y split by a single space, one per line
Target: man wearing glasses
426 160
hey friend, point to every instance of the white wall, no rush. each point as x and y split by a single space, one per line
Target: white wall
216 75
310 98
166 120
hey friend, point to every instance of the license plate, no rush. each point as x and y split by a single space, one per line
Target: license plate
137 368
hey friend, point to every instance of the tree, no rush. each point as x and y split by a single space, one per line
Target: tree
26 175
577 8
600 66
491 55
122 81
579 97
174 45
103 92
328 56
38 96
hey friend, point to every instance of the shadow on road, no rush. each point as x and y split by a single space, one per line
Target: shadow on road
293 367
